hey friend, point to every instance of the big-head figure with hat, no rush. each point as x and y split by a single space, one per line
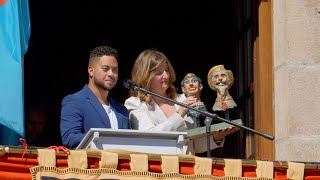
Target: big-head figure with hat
221 80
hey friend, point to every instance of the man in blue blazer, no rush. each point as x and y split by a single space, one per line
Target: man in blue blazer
91 107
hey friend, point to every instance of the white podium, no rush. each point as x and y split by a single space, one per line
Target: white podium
155 142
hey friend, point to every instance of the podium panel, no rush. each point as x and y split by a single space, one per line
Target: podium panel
155 142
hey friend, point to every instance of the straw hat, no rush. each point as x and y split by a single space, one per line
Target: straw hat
216 69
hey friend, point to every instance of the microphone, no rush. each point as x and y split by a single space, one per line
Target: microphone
130 85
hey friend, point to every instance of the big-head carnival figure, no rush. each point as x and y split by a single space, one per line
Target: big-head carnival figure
221 80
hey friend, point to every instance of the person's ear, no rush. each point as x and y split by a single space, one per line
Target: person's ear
183 89
90 71
201 87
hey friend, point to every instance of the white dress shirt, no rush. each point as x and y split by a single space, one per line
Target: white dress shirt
112 116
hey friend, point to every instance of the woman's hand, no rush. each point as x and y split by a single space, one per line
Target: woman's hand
219 135
189 101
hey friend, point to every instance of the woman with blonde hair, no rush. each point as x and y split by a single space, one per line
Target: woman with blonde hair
153 71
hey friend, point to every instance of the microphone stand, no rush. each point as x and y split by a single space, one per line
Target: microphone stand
131 85
207 122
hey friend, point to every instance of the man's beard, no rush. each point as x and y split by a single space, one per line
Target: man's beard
100 85
222 90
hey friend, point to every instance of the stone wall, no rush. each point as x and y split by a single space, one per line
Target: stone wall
296 33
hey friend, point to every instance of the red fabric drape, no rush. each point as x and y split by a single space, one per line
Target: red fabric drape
15 167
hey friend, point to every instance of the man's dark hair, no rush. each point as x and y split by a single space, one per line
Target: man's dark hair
102 51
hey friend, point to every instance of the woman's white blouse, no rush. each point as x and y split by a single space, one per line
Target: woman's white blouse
151 118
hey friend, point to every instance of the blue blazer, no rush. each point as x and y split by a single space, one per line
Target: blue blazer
81 111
